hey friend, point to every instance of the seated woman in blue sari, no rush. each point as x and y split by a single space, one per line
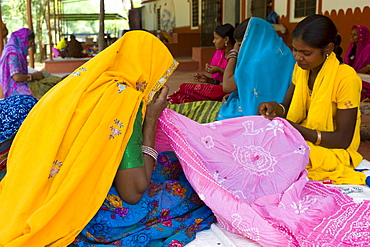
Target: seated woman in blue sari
262 67
261 70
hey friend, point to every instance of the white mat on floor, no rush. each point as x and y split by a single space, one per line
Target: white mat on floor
217 236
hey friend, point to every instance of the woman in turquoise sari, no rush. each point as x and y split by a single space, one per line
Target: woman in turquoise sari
263 70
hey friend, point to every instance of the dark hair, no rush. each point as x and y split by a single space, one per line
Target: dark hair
31 36
240 30
318 31
226 30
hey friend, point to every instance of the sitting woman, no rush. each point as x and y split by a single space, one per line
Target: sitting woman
93 130
13 111
270 64
13 74
260 62
358 53
322 103
210 88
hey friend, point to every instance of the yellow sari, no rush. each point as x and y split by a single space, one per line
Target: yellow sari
66 154
327 163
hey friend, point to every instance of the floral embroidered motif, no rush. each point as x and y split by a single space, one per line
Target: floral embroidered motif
121 87
275 126
301 150
255 159
208 141
55 168
243 229
141 86
217 177
303 205
83 69
114 130
249 128
348 104
213 125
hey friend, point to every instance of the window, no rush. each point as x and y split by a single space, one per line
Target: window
304 8
158 19
194 13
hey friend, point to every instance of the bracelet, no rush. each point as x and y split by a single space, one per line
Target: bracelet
234 51
318 140
149 151
29 77
283 107
228 57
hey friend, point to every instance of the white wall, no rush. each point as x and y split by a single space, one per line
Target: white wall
229 12
280 7
182 13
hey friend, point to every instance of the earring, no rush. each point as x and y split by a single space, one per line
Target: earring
225 43
327 55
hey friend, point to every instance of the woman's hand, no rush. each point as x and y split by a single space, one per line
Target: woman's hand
37 75
224 99
268 109
237 45
365 70
213 69
158 104
202 78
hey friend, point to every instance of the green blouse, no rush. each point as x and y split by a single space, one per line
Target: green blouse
133 156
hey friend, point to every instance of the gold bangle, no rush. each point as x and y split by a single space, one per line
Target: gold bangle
29 77
318 139
283 107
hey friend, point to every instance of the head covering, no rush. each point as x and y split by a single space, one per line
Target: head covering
362 55
67 152
13 110
263 71
17 45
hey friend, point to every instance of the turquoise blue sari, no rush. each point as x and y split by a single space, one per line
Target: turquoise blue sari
263 71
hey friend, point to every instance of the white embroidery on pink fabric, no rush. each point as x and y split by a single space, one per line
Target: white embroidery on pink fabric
303 205
208 141
301 150
237 222
275 126
249 128
213 125
238 194
218 178
255 159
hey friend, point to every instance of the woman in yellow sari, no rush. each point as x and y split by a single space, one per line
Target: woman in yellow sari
66 154
323 102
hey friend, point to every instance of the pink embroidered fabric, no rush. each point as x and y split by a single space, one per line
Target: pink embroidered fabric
251 172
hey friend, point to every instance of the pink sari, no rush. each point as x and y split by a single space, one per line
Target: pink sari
251 172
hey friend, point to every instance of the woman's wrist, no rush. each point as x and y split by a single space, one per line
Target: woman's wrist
29 77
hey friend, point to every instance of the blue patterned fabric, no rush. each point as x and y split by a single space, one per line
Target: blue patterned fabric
263 71
13 110
169 214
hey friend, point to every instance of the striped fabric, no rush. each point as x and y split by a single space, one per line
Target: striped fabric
199 111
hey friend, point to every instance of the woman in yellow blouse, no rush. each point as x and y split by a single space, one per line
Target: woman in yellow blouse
323 102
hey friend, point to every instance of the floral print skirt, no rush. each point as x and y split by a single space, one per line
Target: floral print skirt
169 214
